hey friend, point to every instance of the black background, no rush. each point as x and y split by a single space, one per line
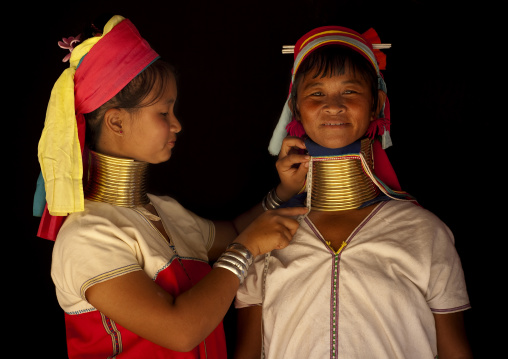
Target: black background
233 83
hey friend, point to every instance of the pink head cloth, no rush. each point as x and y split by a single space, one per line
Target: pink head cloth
107 68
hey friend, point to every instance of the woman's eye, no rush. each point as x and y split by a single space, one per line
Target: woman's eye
317 94
349 91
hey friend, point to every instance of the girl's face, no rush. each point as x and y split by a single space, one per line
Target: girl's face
335 111
150 132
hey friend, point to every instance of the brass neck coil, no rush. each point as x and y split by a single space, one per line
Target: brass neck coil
117 181
340 183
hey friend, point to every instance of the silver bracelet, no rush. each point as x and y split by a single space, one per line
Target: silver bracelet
240 248
264 205
271 200
237 259
231 268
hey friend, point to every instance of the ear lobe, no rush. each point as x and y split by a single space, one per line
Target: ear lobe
113 121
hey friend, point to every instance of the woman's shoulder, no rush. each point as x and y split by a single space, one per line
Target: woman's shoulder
407 209
96 220
97 213
410 214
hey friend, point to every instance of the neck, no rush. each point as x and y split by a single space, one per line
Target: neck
117 181
337 179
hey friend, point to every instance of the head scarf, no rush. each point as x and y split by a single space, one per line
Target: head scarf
342 36
99 68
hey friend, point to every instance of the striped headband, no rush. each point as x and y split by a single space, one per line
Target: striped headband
99 68
330 36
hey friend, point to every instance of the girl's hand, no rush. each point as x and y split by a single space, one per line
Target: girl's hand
292 167
273 229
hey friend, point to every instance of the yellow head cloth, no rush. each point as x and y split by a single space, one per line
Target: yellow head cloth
59 148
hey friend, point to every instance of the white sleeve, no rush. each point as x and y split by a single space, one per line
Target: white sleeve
447 291
89 250
251 290
207 227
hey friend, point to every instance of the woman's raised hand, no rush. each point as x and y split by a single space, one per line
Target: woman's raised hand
273 229
292 167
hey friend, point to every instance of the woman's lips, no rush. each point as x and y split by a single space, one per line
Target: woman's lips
334 124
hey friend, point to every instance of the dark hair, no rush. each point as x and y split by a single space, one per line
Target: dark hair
132 97
331 61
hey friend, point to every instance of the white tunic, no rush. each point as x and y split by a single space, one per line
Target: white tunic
374 299
106 241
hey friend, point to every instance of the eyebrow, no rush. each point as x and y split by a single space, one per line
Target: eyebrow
346 82
352 82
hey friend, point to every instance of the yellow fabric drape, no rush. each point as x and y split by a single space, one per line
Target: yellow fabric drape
59 149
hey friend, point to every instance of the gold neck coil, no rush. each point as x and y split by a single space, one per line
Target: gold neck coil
117 181
340 183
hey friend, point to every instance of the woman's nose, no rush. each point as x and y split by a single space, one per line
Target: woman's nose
175 125
335 105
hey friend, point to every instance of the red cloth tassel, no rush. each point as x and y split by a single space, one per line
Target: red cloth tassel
295 128
49 225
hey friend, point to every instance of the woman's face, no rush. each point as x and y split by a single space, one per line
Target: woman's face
335 111
150 132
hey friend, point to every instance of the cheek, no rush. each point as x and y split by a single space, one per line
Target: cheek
307 111
137 127
161 133
306 123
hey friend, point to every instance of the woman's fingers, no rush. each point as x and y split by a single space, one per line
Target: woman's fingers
287 219
290 161
292 171
292 166
273 229
291 145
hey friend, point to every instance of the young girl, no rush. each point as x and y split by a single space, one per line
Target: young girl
369 273
131 269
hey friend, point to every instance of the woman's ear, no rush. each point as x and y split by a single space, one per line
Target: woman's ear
294 110
381 98
114 121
